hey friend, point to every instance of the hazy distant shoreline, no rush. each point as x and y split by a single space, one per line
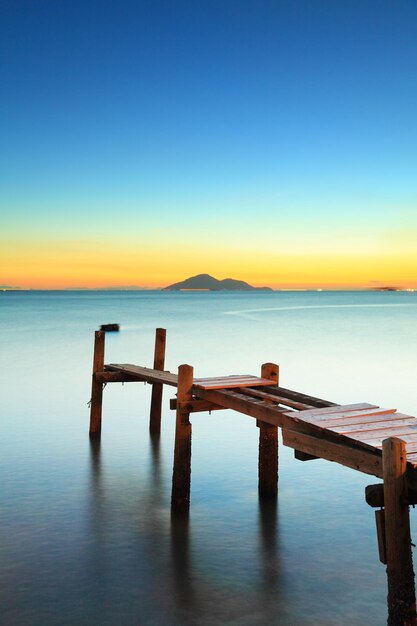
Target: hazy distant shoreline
200 291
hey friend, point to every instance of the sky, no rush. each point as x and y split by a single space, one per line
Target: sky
143 142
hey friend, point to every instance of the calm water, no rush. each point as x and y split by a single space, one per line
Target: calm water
86 532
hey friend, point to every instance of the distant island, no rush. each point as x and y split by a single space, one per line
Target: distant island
205 282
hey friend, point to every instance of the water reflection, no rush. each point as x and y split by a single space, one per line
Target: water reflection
268 543
155 467
95 451
152 566
88 532
96 481
181 564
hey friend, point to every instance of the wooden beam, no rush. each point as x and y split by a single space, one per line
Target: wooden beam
96 401
268 445
157 388
303 456
181 477
401 589
253 407
300 397
374 495
361 460
299 406
265 412
195 406
114 377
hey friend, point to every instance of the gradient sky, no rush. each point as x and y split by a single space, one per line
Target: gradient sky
270 141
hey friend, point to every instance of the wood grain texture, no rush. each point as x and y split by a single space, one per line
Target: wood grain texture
157 388
268 444
96 401
181 474
401 592
362 460
230 382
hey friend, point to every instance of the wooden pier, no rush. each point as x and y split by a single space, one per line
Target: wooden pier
378 441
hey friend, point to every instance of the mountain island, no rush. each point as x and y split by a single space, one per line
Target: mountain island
205 282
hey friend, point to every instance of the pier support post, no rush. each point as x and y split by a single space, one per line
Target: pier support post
400 573
97 387
181 478
156 399
268 446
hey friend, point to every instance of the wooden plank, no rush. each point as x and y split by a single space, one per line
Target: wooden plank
347 408
333 419
276 416
273 398
361 460
377 443
225 377
365 428
301 397
363 418
411 440
144 374
231 382
394 431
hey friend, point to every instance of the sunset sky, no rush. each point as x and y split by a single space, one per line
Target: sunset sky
270 141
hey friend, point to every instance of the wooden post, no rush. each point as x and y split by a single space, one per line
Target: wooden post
268 446
401 589
181 478
156 399
97 387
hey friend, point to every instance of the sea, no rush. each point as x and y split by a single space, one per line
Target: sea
87 536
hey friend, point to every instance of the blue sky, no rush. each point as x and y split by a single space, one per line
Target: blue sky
195 114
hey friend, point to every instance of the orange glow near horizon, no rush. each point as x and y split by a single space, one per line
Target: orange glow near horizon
101 264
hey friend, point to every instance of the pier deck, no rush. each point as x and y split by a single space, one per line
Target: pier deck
314 427
362 436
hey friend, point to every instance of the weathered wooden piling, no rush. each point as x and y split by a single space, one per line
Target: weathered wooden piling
400 573
157 388
96 401
181 478
268 445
